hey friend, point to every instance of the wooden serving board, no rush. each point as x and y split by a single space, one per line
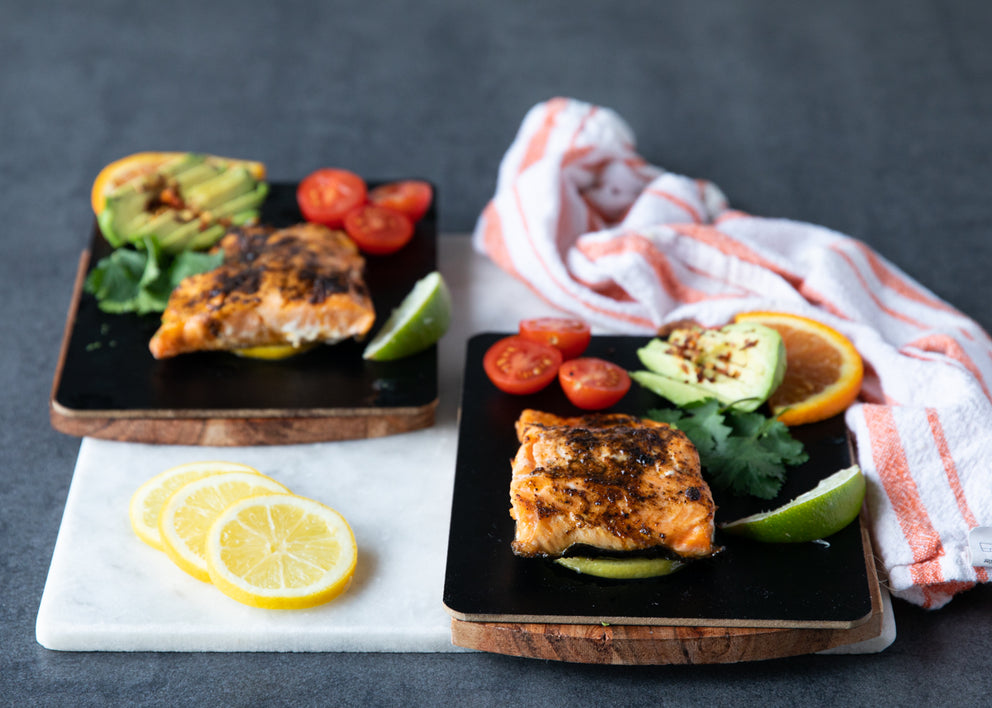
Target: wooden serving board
751 601
107 385
667 644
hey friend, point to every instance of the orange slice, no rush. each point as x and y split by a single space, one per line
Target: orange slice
823 370
126 169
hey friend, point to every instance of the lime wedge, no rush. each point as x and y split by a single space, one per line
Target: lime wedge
420 320
621 568
822 511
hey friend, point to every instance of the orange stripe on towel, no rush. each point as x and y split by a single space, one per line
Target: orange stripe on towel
637 244
870 292
725 244
562 287
680 203
893 281
538 143
889 458
951 470
493 239
949 347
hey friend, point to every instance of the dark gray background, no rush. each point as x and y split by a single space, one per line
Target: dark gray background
872 118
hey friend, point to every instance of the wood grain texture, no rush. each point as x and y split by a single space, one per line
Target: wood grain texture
236 431
595 644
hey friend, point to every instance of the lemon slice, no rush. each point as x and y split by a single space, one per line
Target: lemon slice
420 320
146 502
281 552
188 513
273 352
822 511
621 568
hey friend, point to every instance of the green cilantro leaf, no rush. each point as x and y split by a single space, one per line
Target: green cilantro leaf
140 280
742 452
702 422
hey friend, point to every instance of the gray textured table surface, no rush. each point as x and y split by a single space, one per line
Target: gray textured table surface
870 118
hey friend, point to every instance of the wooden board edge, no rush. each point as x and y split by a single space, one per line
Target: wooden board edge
642 644
654 645
241 431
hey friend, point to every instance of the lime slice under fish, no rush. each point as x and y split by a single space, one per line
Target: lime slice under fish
621 568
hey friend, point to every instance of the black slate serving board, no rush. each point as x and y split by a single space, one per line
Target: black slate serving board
826 585
109 385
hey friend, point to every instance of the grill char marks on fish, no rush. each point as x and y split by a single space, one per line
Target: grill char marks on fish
293 286
612 482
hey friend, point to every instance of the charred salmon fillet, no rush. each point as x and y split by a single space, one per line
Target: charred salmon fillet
293 286
614 482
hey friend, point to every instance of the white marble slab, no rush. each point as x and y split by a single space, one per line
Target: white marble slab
106 590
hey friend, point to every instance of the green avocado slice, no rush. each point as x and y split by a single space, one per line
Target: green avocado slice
741 364
244 202
211 194
221 188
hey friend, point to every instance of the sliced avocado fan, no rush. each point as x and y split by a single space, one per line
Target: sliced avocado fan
188 203
740 364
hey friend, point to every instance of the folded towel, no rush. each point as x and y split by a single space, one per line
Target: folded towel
595 230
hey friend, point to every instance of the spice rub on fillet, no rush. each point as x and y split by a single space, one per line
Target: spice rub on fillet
295 285
611 481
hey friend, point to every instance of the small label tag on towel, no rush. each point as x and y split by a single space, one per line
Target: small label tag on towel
980 542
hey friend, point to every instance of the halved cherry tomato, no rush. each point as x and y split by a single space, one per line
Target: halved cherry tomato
412 197
378 230
568 334
520 366
327 195
593 384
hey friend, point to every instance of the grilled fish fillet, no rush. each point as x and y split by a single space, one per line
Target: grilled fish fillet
611 481
289 286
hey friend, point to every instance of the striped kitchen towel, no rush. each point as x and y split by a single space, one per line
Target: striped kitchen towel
598 232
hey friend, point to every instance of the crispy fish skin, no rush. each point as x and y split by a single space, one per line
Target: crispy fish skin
292 286
611 481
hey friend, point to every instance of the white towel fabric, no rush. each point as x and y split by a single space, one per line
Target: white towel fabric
596 231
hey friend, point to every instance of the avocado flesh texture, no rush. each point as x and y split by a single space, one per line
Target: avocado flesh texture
229 193
740 364
180 238
250 201
196 175
678 392
125 216
180 164
159 225
123 207
206 238
224 187
240 210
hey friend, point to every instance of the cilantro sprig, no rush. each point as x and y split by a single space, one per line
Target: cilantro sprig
140 280
742 452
